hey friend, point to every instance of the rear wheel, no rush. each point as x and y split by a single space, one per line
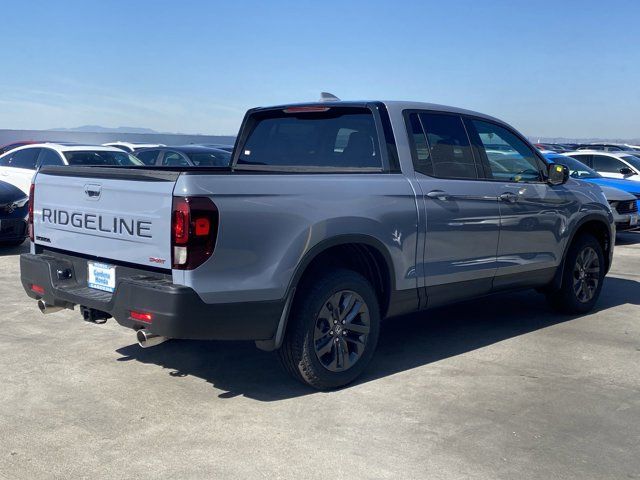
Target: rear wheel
333 330
582 278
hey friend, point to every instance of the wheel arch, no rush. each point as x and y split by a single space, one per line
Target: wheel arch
596 225
362 253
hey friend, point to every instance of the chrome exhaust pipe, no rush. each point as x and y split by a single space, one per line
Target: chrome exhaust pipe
147 339
46 308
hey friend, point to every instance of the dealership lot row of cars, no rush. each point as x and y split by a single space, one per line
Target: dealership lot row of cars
19 161
614 167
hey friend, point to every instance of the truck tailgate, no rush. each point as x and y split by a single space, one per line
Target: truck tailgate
121 214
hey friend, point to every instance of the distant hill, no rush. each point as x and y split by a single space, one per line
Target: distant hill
91 137
100 129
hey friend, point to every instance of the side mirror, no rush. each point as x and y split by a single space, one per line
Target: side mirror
626 171
558 174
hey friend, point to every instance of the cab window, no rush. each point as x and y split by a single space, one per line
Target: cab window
441 147
508 157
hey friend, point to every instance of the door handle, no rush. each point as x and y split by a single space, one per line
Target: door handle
438 195
508 197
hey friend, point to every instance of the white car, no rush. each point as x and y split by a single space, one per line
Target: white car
18 166
132 147
610 164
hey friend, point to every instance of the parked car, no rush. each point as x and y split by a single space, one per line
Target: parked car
184 156
14 207
610 164
131 147
552 147
623 195
10 146
604 147
331 216
18 166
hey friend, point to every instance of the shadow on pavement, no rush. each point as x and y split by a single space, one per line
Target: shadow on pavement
6 251
407 342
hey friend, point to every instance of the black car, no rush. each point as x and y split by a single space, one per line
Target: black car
184 156
14 208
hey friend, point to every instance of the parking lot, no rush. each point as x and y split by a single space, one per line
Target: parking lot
496 388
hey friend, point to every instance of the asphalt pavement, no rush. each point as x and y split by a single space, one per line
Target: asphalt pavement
498 388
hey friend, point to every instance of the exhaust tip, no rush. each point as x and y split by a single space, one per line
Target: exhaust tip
45 308
147 339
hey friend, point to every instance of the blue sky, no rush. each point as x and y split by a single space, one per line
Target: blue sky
551 68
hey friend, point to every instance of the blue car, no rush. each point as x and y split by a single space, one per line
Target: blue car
580 171
623 210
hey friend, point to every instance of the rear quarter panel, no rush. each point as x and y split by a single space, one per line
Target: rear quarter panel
269 222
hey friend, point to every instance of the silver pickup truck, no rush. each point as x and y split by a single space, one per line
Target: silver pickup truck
331 217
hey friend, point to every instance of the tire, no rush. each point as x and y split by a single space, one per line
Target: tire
581 286
315 349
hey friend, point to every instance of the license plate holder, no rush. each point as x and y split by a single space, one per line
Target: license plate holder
101 276
633 221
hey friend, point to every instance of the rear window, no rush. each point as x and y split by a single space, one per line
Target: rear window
338 138
104 158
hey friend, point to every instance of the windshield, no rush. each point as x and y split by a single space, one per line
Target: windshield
101 157
634 161
576 169
210 159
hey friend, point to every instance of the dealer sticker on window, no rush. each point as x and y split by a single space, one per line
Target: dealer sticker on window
101 276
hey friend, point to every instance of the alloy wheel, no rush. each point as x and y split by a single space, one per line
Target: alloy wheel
341 331
586 275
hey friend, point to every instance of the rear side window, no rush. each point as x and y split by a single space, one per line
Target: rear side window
148 157
603 163
174 159
337 137
27 158
441 146
210 159
50 157
101 157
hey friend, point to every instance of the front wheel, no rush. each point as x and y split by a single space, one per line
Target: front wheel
582 278
333 330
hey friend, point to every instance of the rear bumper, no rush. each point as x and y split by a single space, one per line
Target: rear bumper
177 311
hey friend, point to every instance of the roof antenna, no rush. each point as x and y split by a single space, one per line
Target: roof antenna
328 97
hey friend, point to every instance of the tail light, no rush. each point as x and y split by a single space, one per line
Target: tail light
194 229
32 198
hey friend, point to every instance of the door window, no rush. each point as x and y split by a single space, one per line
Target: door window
586 159
509 158
603 163
27 158
50 157
441 146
